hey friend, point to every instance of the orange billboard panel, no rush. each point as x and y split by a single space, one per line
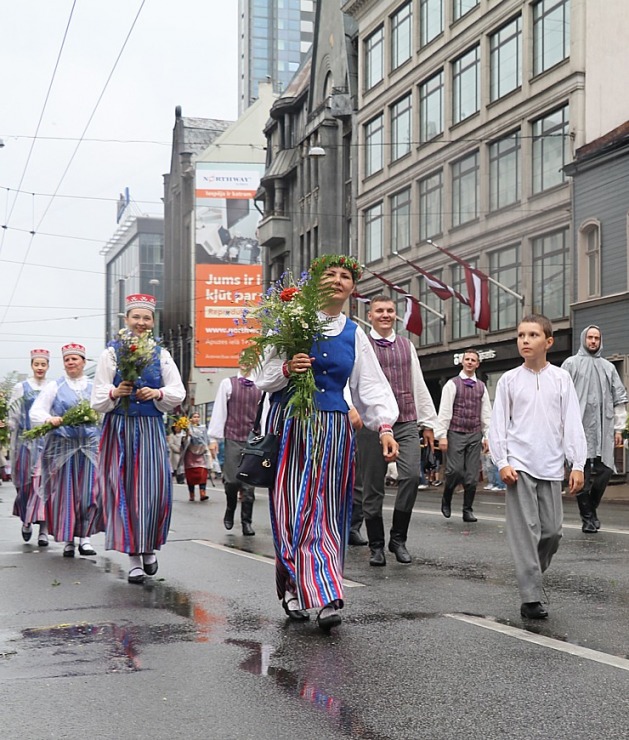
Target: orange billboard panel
222 291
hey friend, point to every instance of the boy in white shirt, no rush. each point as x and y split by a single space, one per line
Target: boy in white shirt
535 425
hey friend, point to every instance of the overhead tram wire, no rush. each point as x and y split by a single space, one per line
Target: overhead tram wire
72 156
39 122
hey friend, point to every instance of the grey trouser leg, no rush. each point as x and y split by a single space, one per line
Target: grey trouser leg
463 459
374 468
534 519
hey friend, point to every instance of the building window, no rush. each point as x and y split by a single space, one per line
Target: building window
550 149
461 7
551 275
462 323
504 266
374 131
401 220
590 252
505 59
430 20
466 85
430 200
373 233
504 172
374 58
401 25
401 128
433 325
551 34
465 190
431 107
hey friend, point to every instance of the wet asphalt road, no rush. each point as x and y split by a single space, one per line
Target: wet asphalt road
436 649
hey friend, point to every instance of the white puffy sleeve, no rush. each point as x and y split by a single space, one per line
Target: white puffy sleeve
41 410
104 382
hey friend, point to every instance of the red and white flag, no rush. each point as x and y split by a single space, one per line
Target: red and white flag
413 317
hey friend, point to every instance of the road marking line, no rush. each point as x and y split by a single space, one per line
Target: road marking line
259 558
542 640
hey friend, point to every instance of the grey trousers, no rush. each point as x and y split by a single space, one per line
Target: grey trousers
463 460
534 519
233 449
374 468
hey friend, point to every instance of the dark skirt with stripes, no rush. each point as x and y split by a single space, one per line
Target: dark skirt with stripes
68 487
135 483
311 506
27 505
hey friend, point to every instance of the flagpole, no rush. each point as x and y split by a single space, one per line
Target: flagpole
489 279
420 303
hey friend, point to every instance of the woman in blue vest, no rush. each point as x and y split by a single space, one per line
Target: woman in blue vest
28 505
134 468
311 501
68 458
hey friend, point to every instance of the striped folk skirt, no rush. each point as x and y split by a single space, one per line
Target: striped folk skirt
68 487
135 482
311 506
27 505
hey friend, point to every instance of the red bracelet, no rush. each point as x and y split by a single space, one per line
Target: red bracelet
111 394
285 370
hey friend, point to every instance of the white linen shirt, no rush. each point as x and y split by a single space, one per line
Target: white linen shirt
173 390
15 409
216 427
536 423
41 410
370 391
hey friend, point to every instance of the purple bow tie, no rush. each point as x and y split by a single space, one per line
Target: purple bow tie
245 381
469 382
383 342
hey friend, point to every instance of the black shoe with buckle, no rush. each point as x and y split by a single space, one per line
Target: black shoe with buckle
86 549
296 615
533 610
330 620
136 575
27 532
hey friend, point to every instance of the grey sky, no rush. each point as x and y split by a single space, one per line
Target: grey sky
181 52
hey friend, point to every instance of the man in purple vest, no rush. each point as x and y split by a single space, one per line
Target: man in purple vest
398 359
464 414
232 419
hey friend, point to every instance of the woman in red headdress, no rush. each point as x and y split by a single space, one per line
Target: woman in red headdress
134 465
68 458
28 505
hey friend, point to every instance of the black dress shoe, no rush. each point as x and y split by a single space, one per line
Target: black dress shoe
355 538
468 516
445 509
86 550
333 619
533 610
27 532
68 551
136 575
296 615
596 521
151 568
228 519
247 529
398 548
377 556
589 527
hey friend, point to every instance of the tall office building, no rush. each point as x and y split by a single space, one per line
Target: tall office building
274 37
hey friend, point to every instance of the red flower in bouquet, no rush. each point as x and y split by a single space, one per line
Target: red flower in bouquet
288 294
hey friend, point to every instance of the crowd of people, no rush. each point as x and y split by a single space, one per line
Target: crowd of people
371 408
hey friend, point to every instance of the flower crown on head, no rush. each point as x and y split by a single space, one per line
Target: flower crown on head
338 260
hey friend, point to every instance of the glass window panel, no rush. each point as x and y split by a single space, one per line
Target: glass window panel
374 233
401 128
466 85
504 266
430 206
551 34
551 142
374 58
431 107
506 59
504 172
401 24
433 325
551 271
401 220
374 132
461 7
465 190
430 20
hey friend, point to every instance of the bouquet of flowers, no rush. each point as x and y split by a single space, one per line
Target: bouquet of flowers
182 423
76 416
289 321
133 354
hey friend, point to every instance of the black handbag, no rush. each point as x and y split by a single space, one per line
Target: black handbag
258 459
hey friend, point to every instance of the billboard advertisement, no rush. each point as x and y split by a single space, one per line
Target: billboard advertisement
228 271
